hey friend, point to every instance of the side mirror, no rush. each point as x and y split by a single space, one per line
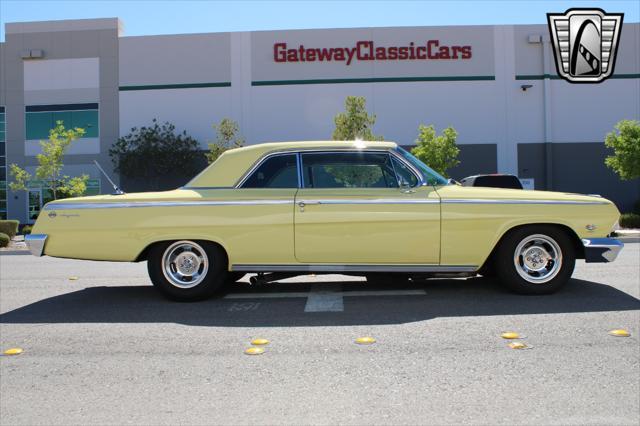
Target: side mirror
405 188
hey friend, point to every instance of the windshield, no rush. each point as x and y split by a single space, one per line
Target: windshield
431 176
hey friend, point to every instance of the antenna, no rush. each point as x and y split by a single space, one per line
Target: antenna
116 190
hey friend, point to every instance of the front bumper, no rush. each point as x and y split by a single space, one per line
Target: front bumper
601 249
35 243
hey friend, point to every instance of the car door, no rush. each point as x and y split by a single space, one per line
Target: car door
352 210
263 217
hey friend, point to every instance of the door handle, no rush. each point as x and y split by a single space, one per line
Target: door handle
303 204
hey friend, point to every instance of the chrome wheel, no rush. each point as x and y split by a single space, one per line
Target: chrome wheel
538 258
185 264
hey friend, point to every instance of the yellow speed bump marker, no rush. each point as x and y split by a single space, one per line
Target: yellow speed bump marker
518 345
73 278
259 342
254 351
13 351
510 335
365 340
620 333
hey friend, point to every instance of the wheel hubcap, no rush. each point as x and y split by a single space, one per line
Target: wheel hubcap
185 264
538 258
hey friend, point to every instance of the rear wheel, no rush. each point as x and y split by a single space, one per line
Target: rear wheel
535 260
187 270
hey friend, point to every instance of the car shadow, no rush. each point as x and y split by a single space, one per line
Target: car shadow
247 306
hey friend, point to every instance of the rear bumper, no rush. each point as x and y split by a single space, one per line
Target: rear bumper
35 243
601 249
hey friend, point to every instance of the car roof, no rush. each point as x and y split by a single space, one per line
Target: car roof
279 146
232 164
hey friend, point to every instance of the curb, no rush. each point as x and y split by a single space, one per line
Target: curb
14 252
629 239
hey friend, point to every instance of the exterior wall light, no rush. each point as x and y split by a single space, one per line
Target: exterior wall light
32 54
524 87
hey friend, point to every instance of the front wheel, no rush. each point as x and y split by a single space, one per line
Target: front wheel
187 270
535 260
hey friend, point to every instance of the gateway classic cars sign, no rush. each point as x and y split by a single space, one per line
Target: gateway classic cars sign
369 51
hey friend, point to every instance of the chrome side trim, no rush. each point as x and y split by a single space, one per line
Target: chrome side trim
136 204
371 201
500 201
324 267
35 243
601 250
195 188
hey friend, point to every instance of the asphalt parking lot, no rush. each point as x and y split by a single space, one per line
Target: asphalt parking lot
106 348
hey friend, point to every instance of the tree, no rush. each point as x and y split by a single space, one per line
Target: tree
155 151
625 142
355 122
49 169
438 152
227 137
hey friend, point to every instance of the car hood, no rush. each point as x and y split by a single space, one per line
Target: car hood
481 193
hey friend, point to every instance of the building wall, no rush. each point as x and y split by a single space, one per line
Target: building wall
551 132
79 65
184 79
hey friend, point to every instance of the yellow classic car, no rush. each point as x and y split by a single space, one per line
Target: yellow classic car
361 208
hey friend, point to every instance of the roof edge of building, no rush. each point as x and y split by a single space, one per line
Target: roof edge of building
64 25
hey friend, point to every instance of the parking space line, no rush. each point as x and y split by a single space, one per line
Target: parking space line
281 295
417 292
305 294
324 298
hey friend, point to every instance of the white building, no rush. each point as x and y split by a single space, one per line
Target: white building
496 85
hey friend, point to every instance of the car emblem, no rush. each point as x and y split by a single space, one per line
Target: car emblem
585 43
52 215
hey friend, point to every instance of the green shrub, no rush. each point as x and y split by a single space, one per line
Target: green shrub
4 240
26 229
9 227
630 220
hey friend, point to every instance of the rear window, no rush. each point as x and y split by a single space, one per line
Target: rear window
279 171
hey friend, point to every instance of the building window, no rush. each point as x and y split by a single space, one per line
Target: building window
40 119
39 195
3 165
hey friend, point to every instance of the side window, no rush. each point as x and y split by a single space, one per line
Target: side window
279 171
348 170
405 176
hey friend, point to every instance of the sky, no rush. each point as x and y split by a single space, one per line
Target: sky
145 17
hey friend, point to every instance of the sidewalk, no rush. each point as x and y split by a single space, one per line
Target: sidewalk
628 235
16 246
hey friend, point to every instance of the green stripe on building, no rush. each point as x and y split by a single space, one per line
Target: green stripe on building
175 86
557 77
373 80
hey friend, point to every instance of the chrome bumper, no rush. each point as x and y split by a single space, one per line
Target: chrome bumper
35 242
601 249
